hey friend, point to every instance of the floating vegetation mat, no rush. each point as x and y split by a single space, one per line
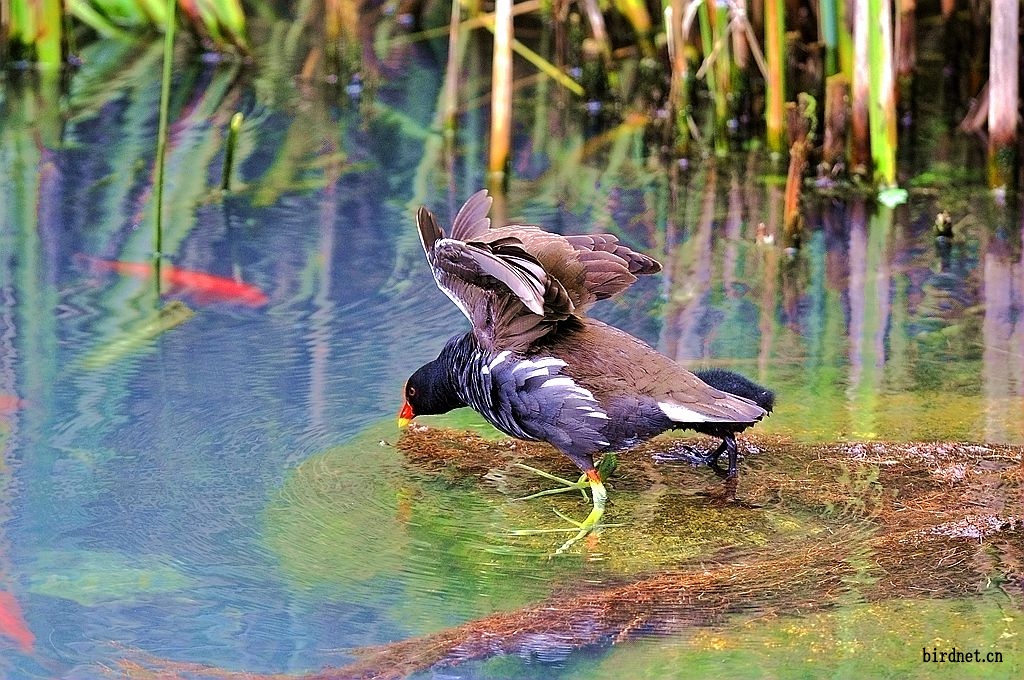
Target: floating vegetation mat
858 524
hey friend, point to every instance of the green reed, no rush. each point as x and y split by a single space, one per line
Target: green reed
610 43
229 150
161 143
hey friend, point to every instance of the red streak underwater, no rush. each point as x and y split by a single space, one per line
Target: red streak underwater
204 287
10 403
12 623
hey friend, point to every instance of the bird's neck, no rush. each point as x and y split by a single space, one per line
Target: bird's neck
466 360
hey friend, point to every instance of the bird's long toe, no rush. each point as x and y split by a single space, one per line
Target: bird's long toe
588 525
579 485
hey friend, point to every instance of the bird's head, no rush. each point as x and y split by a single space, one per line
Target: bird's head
428 391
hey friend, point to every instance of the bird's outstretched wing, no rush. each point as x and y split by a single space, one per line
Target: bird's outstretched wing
515 283
503 290
590 267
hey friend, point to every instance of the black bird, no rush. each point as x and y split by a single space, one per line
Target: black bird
535 367
741 386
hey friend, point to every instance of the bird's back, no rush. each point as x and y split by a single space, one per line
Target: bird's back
613 364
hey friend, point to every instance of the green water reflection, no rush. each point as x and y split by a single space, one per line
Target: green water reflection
879 640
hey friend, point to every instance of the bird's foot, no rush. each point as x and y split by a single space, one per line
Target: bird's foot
730 474
683 454
581 484
604 471
588 525
688 454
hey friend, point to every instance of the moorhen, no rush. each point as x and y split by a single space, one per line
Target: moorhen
536 368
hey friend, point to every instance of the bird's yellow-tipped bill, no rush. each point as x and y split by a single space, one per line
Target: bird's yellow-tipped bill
406 415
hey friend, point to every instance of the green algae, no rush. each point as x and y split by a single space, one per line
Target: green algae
353 517
92 577
877 640
825 537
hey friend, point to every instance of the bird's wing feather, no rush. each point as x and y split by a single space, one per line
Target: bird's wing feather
590 267
515 283
502 289
472 222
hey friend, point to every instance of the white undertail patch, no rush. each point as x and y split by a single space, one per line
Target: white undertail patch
678 413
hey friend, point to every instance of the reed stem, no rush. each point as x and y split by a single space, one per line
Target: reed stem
1004 50
48 41
229 150
705 20
828 19
679 86
451 75
723 76
860 95
844 39
501 93
774 46
161 142
882 92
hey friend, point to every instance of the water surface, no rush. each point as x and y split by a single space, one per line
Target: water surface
226 490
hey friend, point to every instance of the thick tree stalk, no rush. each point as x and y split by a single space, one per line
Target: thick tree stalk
836 120
800 118
882 114
501 93
859 104
775 42
1004 51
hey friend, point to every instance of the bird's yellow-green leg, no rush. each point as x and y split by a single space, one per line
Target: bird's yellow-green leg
591 478
604 471
600 495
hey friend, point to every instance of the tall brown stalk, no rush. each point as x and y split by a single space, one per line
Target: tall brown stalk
860 94
1004 53
774 45
501 95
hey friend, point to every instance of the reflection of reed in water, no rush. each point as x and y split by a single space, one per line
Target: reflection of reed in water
1003 333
